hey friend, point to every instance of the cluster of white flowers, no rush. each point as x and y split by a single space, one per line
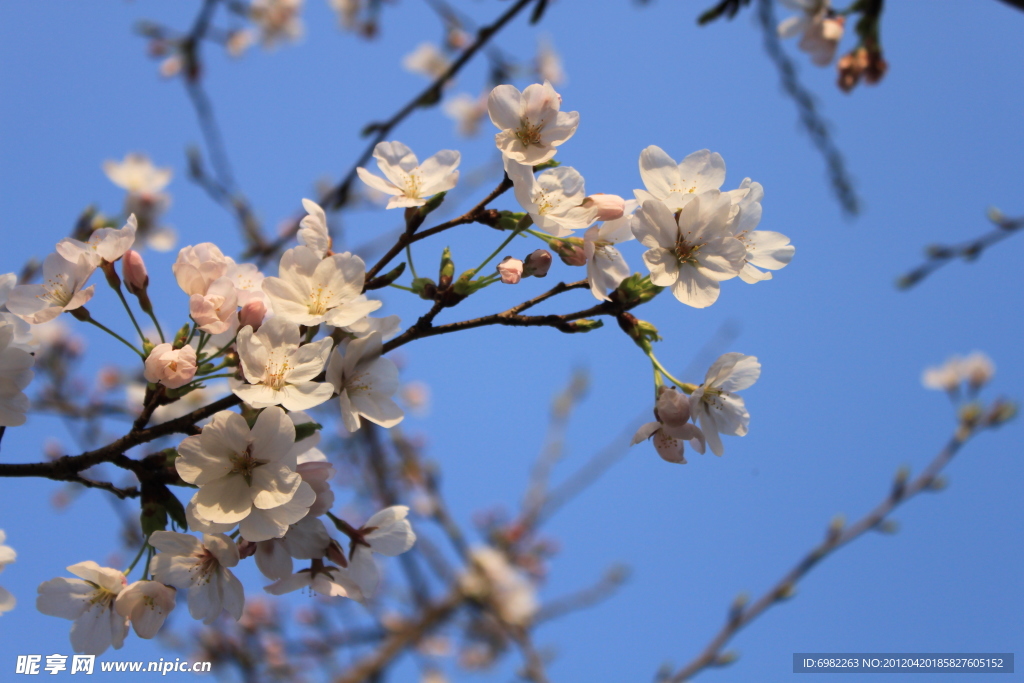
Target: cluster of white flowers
975 370
146 199
492 578
7 556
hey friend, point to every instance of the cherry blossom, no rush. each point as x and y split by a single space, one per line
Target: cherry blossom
511 270
198 266
313 232
146 605
311 290
323 578
549 63
307 539
606 268
105 244
7 556
215 310
554 199
467 112
387 533
23 338
136 278
366 381
822 30
408 181
238 469
537 263
531 123
15 375
693 250
171 367
278 370
202 569
278 20
90 604
61 290
715 405
946 377
673 183
672 412
765 248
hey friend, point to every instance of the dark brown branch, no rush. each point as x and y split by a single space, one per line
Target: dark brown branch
940 255
68 467
741 615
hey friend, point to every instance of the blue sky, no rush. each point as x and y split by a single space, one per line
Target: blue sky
839 405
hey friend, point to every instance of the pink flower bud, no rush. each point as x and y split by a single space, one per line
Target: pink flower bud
511 270
672 408
537 263
252 314
607 207
213 311
136 279
171 367
570 250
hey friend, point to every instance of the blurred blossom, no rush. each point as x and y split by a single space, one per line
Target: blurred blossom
278 20
549 63
238 42
108 377
146 199
821 29
976 370
491 577
135 392
7 556
467 112
416 397
15 375
427 60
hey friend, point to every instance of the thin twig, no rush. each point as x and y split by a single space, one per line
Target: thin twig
940 255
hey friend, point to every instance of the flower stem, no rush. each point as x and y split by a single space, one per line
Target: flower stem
159 330
685 386
408 255
120 295
407 289
523 225
115 335
138 556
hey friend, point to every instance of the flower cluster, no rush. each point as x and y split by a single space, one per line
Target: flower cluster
7 556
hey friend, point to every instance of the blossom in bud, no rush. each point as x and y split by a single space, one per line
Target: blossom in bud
136 278
608 207
171 367
537 263
511 270
672 428
570 250
252 314
146 604
213 310
198 266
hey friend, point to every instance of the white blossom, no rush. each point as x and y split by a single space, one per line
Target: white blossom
61 290
715 405
977 369
238 470
90 604
549 63
672 412
426 60
821 30
388 533
146 605
7 556
673 183
311 290
692 250
554 199
15 375
606 267
23 338
946 377
278 370
313 232
531 123
765 248
325 579
105 244
408 181
248 282
366 381
307 539
201 568
388 327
